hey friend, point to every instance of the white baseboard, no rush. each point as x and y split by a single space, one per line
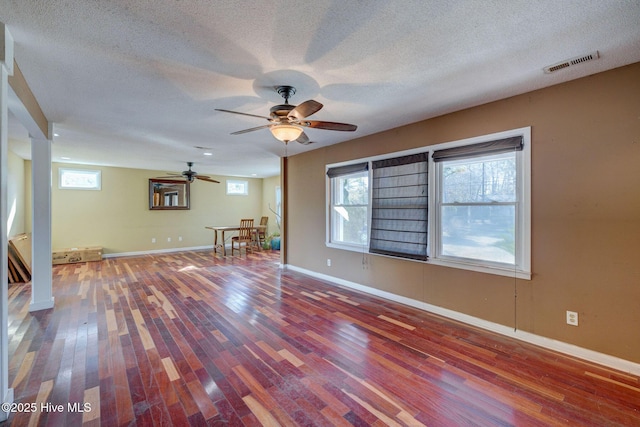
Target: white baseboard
155 251
551 344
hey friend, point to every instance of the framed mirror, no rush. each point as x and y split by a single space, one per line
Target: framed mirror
168 194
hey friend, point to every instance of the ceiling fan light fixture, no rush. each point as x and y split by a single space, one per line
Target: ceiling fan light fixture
286 120
286 132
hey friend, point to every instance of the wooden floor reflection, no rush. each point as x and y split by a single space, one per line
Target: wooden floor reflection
189 338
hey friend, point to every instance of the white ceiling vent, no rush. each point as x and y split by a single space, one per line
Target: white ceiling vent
570 62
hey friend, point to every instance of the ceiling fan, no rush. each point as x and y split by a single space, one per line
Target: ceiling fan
190 175
287 121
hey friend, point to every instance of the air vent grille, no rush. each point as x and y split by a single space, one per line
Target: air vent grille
570 62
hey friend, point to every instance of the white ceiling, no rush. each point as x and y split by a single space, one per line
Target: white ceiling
134 83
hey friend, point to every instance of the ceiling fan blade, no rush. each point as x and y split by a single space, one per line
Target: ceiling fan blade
243 114
303 139
249 130
329 125
206 178
305 109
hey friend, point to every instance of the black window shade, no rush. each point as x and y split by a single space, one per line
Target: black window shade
399 207
483 148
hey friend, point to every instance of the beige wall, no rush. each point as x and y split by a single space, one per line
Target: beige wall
118 217
269 186
28 202
585 215
15 195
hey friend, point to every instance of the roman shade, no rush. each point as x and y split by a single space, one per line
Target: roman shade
347 169
483 148
399 207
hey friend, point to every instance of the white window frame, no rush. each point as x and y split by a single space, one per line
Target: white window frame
243 183
522 267
97 174
328 198
331 211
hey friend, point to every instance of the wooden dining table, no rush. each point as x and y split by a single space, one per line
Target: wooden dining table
223 229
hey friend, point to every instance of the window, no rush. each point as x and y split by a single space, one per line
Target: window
462 204
237 187
477 208
349 205
79 179
480 199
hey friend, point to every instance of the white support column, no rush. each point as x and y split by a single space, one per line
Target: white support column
6 69
41 267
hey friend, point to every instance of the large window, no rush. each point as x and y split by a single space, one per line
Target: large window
349 204
463 204
478 208
482 204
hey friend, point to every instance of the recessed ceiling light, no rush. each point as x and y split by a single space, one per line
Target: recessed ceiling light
56 134
65 158
254 174
207 154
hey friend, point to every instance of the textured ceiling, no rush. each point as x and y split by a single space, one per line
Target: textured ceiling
135 83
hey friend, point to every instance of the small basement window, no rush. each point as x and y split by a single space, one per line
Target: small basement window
79 179
237 187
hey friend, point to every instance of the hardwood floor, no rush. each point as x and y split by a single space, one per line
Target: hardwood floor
192 339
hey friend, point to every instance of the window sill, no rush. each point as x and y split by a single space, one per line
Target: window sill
497 270
348 247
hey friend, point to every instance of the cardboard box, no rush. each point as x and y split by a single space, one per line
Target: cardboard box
71 255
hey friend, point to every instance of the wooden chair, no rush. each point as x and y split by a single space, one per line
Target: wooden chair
244 236
261 235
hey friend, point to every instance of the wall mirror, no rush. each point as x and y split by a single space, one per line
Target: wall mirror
168 194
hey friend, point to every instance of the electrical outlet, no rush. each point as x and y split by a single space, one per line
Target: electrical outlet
179 238
328 262
153 240
168 239
572 318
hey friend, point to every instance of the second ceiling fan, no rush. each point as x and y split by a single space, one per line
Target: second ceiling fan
287 121
189 175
